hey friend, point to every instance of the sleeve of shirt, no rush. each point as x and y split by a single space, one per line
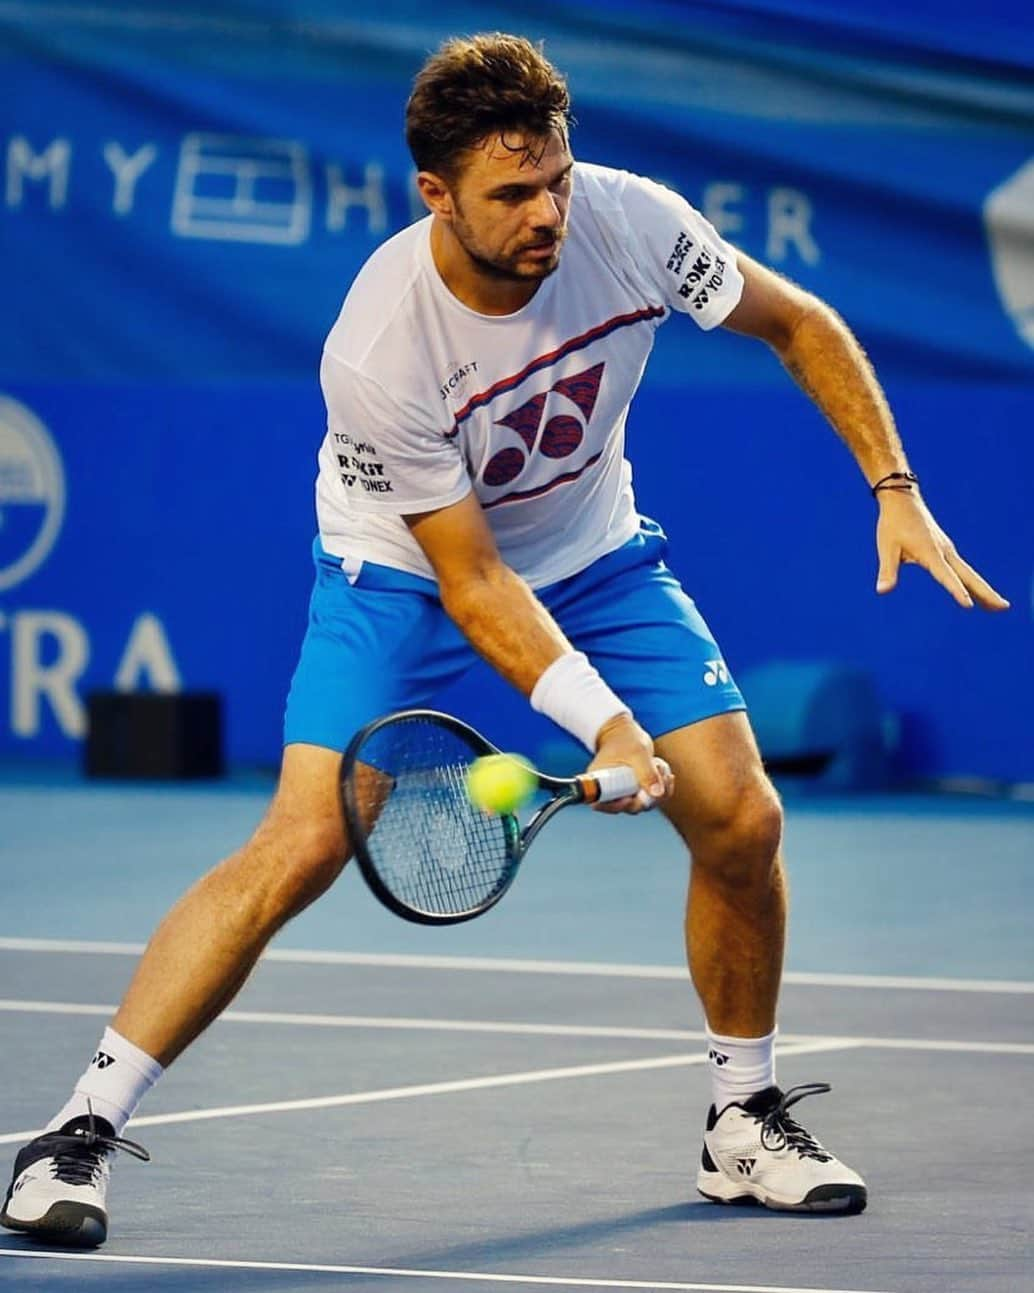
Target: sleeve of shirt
390 460
681 254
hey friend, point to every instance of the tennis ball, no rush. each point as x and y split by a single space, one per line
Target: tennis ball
500 783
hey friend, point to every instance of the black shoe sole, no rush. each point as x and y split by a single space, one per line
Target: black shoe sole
844 1200
68 1225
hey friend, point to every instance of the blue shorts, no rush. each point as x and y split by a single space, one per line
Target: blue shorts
384 643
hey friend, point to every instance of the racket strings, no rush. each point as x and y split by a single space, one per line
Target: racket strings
432 848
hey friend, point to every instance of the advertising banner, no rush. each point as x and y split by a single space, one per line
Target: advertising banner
189 191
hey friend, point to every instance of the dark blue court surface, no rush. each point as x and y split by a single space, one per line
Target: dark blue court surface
519 1101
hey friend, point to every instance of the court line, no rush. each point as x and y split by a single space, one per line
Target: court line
512 965
551 1281
523 1078
403 1023
387 1022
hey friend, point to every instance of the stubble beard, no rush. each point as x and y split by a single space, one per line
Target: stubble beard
508 269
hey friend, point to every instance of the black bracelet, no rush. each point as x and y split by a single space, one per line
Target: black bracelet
909 477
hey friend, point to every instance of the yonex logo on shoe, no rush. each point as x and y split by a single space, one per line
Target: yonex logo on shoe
102 1060
745 1166
718 1058
715 672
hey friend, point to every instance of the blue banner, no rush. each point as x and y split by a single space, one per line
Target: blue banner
189 190
188 193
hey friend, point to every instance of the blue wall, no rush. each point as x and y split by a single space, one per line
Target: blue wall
185 205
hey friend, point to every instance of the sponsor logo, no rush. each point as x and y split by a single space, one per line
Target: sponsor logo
359 468
102 1060
457 378
367 468
715 672
1009 220
235 189
359 446
704 277
32 493
745 1166
718 1058
682 248
49 648
559 437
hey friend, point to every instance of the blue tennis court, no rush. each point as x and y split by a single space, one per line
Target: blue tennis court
519 1100
278 271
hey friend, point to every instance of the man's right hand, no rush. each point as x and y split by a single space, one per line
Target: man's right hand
621 742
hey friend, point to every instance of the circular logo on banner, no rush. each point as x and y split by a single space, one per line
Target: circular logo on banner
1009 217
32 493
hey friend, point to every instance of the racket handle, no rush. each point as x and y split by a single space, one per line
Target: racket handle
606 784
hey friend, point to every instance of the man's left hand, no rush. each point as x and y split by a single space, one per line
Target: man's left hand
906 532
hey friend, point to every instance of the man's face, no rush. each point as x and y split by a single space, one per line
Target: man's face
511 203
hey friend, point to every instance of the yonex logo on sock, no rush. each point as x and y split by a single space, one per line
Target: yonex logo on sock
718 1058
745 1166
102 1060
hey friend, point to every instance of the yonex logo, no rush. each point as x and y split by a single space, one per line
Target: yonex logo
102 1060
745 1166
561 435
32 493
715 672
718 1058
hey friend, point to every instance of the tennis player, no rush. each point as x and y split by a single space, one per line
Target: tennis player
474 498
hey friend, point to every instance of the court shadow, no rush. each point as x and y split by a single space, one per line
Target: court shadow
603 1230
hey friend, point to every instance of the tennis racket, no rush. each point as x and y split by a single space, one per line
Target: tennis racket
426 851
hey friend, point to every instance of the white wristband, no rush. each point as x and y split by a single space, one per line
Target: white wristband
575 697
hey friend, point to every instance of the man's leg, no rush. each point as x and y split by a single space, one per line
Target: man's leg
197 960
728 814
205 948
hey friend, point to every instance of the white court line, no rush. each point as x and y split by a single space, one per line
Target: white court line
511 965
444 1088
552 1281
616 1032
391 1022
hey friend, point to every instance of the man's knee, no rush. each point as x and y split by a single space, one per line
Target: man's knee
301 845
291 861
313 860
738 839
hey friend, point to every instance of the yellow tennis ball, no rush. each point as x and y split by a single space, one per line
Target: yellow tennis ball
500 783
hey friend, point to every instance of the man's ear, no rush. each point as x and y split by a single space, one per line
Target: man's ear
436 194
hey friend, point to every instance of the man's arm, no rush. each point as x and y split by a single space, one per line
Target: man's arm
507 624
826 361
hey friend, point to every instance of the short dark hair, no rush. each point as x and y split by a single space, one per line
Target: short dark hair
477 86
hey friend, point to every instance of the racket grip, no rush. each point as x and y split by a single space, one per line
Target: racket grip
612 783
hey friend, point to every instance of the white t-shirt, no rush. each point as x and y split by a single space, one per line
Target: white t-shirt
426 399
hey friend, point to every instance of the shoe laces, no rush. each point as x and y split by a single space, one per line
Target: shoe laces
780 1131
82 1152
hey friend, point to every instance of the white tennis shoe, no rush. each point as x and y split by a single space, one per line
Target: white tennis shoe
755 1151
60 1183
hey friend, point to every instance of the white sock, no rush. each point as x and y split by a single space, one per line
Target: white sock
117 1079
740 1066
